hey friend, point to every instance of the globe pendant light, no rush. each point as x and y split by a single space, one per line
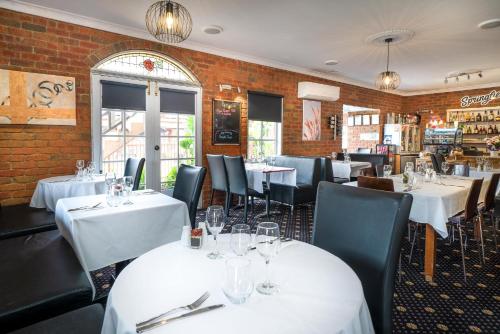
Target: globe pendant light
388 80
169 21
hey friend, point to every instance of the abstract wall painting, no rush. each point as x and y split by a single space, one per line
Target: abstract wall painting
36 98
311 120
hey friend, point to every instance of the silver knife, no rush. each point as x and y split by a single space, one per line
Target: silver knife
142 329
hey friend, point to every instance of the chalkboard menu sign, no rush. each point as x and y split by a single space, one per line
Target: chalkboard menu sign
226 122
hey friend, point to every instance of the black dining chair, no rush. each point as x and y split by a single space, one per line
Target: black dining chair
21 219
469 216
364 228
218 176
188 184
86 320
134 167
327 172
238 183
488 207
435 164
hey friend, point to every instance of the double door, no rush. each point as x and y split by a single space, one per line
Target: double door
142 118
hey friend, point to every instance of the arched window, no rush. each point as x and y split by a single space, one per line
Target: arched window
146 64
145 105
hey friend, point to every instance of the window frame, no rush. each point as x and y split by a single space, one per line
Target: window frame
277 131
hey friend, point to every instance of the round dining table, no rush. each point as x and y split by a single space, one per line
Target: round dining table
318 293
48 191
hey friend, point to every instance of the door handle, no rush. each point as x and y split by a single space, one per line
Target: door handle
157 147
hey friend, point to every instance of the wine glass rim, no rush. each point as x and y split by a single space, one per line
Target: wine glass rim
268 225
240 227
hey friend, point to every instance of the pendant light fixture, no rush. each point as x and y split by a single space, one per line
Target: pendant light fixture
169 21
388 80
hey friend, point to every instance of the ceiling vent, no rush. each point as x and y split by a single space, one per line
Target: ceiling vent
212 30
315 91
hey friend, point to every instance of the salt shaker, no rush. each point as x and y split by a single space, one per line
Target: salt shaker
186 236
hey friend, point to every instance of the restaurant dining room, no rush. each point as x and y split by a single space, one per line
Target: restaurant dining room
233 166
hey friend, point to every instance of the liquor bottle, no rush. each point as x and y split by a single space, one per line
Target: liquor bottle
485 116
467 117
495 130
491 116
497 118
476 129
461 117
478 117
490 130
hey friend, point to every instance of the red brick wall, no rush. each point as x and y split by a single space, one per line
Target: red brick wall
35 44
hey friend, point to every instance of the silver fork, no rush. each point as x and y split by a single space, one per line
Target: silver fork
191 307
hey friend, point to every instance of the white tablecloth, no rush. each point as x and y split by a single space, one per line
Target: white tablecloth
113 234
256 174
434 203
346 170
49 191
318 294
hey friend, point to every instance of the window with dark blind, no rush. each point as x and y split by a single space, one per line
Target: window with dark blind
121 95
177 101
264 107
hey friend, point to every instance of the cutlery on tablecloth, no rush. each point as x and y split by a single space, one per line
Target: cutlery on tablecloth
56 181
147 192
185 315
452 185
86 207
194 305
282 239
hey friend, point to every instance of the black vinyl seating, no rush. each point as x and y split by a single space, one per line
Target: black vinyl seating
87 320
188 184
374 159
134 167
327 172
40 277
238 182
18 220
364 228
308 171
218 176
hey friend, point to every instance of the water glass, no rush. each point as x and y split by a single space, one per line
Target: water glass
238 282
347 158
80 164
215 219
409 167
267 240
241 239
114 196
387 170
92 167
334 155
109 178
128 184
445 167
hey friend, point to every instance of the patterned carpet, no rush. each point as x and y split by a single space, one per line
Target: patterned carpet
446 305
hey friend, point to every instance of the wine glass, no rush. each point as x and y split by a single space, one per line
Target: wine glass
128 184
215 222
240 239
238 283
409 167
92 167
267 241
387 170
80 164
445 167
109 179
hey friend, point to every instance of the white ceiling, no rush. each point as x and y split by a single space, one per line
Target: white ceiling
301 35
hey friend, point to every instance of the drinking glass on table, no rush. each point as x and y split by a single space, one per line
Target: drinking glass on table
409 167
80 164
445 167
114 196
240 239
267 240
215 219
387 170
92 167
238 283
334 155
128 184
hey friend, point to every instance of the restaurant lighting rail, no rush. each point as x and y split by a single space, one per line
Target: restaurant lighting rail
463 75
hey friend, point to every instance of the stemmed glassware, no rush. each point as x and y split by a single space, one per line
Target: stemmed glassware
80 165
267 241
445 167
241 239
109 178
91 167
215 220
387 170
128 183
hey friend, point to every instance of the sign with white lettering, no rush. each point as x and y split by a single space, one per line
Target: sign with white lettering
483 99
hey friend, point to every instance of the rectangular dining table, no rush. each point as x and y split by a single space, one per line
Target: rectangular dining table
433 204
106 235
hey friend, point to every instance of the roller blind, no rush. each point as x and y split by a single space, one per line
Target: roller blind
264 106
120 95
177 101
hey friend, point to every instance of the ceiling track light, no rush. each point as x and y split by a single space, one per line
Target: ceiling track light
458 76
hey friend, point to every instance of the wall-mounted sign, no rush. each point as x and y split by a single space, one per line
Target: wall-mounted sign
226 122
483 99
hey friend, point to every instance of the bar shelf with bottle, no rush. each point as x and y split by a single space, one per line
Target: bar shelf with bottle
476 123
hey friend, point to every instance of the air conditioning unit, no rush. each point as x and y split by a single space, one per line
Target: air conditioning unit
315 91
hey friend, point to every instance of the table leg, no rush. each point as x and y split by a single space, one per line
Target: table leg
430 252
